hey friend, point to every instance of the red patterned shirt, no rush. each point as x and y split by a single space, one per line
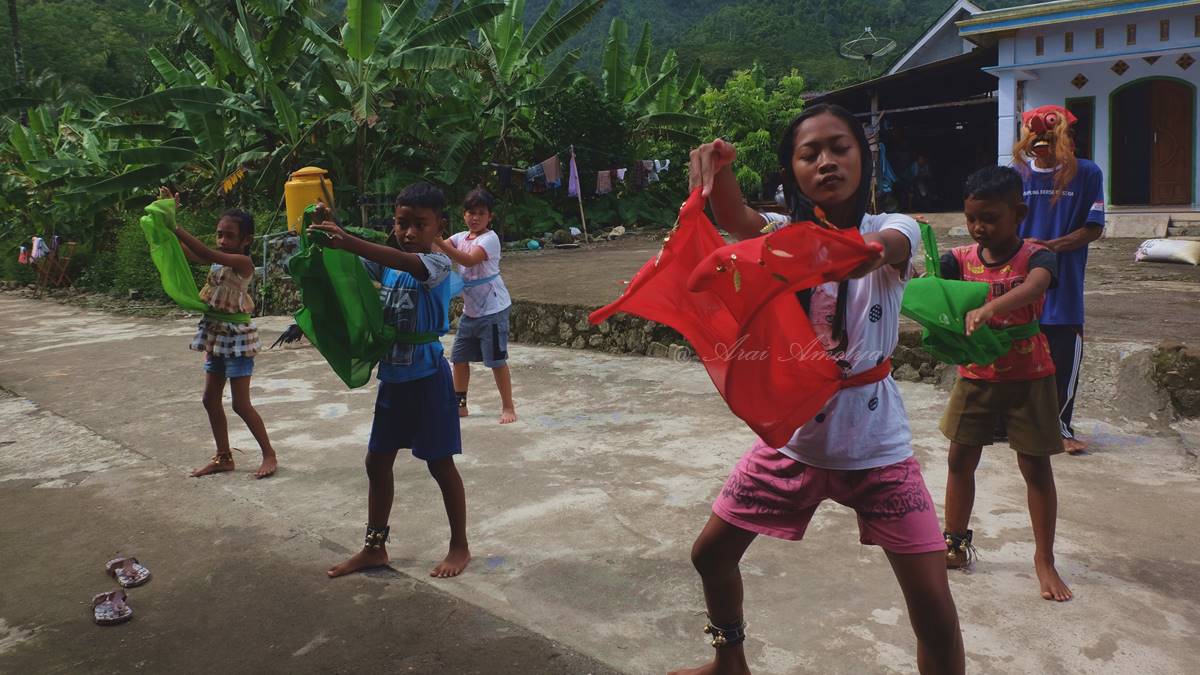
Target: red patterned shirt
1027 359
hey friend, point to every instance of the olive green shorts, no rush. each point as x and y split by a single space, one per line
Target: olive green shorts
1028 409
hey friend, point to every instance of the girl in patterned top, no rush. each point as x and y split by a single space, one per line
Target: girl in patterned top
229 348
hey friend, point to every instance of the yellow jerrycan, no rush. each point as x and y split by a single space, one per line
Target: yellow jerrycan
304 188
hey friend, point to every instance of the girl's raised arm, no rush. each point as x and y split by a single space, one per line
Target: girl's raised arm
242 264
710 169
471 259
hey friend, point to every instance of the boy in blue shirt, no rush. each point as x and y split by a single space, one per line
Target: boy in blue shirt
416 407
1065 196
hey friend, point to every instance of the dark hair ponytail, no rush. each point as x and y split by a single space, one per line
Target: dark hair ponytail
245 223
799 205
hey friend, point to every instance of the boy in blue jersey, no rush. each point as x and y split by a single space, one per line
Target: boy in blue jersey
415 407
1065 196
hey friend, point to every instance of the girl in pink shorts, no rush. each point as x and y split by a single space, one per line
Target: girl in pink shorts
858 449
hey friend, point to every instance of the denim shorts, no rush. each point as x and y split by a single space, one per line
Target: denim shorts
482 338
232 367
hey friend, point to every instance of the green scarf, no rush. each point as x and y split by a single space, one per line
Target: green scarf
941 307
173 267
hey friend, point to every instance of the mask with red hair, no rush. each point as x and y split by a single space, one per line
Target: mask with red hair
1046 135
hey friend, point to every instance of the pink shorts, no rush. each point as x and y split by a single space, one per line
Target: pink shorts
773 494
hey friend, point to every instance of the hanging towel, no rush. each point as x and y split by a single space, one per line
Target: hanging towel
620 174
39 249
639 181
167 253
604 182
651 171
573 180
552 168
23 256
54 243
730 300
535 178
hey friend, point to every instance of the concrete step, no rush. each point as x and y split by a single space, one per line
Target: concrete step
1183 229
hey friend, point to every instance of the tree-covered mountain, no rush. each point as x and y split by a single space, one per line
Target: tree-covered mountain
727 35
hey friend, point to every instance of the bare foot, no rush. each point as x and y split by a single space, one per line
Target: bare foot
731 666
364 559
1074 446
268 466
1053 587
453 564
462 411
218 464
508 416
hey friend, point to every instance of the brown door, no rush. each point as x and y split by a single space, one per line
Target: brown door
1171 157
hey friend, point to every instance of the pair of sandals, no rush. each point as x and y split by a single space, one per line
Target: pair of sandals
111 608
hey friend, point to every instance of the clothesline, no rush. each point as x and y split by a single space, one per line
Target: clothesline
38 248
548 174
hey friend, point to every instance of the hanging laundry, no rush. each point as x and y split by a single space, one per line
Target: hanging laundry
23 256
552 168
504 177
535 179
621 174
736 305
639 181
38 249
573 179
604 182
651 171
661 165
54 243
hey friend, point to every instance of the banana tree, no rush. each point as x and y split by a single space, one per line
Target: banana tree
513 78
657 100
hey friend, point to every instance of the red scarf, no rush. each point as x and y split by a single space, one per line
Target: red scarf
736 306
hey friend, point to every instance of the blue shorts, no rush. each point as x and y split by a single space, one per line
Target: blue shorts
418 414
232 367
483 338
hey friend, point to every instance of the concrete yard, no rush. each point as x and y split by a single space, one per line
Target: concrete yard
581 518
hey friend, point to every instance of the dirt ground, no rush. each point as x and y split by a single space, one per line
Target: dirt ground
1125 300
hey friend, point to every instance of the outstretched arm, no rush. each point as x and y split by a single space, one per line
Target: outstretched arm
710 169
242 264
469 259
384 255
1036 283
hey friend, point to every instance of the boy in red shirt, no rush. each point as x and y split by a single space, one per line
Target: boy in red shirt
1018 389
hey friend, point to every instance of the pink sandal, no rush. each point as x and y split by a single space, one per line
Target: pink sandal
127 571
109 609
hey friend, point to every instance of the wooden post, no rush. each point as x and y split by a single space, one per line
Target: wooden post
578 195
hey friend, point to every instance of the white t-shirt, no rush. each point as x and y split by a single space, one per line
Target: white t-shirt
861 427
487 298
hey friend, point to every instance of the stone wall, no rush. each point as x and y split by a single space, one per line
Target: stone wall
1177 371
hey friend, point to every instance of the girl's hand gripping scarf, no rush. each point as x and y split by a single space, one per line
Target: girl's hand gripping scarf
941 307
736 306
342 314
176 273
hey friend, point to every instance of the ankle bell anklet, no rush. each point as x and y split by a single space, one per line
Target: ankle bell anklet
960 549
462 398
377 536
726 636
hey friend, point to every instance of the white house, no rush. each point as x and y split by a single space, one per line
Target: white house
1128 69
940 41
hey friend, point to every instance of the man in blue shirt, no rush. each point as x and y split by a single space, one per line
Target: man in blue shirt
1065 196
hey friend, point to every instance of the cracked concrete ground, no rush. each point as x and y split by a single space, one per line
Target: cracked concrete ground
581 520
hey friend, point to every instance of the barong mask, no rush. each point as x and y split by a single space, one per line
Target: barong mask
1046 135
